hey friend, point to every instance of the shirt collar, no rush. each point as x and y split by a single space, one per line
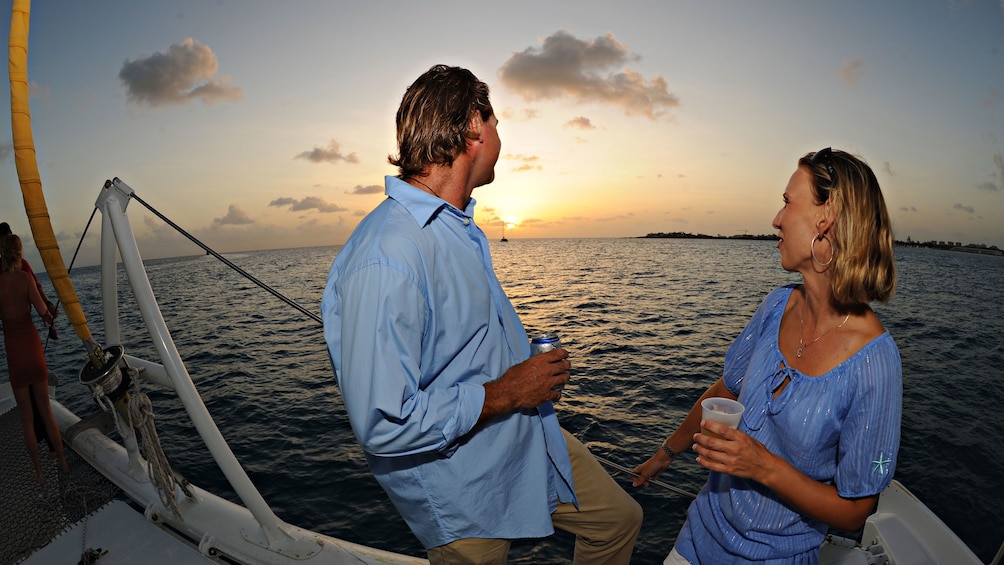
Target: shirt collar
419 203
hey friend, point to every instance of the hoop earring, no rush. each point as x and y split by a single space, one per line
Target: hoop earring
812 249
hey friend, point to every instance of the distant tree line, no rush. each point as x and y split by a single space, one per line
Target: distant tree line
684 235
946 245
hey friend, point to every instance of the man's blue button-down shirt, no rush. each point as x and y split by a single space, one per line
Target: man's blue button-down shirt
416 323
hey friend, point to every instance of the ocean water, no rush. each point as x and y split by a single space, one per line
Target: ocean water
647 323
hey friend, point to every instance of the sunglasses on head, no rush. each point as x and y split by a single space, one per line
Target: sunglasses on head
825 157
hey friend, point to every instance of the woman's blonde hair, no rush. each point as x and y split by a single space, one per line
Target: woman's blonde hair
863 267
11 253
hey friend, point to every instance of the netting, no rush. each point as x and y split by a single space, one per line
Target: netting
31 514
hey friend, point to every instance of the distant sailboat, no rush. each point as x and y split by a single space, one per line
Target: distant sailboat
503 233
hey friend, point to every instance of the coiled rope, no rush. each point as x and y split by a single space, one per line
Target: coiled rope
140 412
158 467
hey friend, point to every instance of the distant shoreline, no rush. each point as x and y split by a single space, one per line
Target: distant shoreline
978 248
684 235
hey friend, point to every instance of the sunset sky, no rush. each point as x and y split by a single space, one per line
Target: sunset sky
259 125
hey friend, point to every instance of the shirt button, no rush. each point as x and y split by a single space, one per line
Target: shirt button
467 222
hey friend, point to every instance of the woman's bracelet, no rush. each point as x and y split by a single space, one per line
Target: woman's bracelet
672 454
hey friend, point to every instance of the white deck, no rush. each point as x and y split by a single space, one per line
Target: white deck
126 537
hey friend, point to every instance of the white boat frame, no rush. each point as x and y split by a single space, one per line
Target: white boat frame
250 534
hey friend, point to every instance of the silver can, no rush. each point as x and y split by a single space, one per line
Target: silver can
544 342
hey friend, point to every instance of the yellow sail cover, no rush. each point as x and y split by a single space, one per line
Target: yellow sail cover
27 170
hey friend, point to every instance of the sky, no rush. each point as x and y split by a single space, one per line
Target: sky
267 125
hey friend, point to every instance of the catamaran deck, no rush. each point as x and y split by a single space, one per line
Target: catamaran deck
58 521
31 515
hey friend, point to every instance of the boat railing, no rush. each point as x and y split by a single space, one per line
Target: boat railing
117 235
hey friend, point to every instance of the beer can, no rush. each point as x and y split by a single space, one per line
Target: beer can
544 342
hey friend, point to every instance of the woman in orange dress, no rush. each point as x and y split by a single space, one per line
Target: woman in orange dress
29 376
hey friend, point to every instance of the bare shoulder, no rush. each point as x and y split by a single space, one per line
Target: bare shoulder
863 326
15 280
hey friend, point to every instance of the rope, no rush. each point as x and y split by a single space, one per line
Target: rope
226 261
158 467
52 330
623 469
141 419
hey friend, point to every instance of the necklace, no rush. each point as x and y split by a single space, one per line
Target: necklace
427 186
801 322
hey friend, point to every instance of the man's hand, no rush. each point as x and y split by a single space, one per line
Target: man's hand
527 384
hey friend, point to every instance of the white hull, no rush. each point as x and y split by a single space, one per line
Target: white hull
905 532
210 527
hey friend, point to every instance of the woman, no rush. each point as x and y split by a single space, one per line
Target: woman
820 378
29 376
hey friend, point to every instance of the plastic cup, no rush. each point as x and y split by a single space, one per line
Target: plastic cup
722 410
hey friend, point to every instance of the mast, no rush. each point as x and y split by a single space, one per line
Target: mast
28 175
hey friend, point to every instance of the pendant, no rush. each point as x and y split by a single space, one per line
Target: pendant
799 352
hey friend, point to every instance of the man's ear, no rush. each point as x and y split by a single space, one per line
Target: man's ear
476 125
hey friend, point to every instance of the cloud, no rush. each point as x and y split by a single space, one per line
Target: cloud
6 150
187 72
907 208
37 91
158 228
235 217
887 168
527 162
369 189
995 95
580 122
851 71
538 223
330 154
996 177
307 203
524 115
627 216
969 209
565 66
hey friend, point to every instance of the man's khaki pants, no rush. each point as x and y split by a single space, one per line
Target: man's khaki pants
605 524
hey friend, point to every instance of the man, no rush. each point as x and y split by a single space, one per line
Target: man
433 363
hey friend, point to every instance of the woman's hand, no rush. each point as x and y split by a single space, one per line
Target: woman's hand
52 309
735 453
651 469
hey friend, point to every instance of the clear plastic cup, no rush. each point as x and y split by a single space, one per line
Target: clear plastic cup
723 410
